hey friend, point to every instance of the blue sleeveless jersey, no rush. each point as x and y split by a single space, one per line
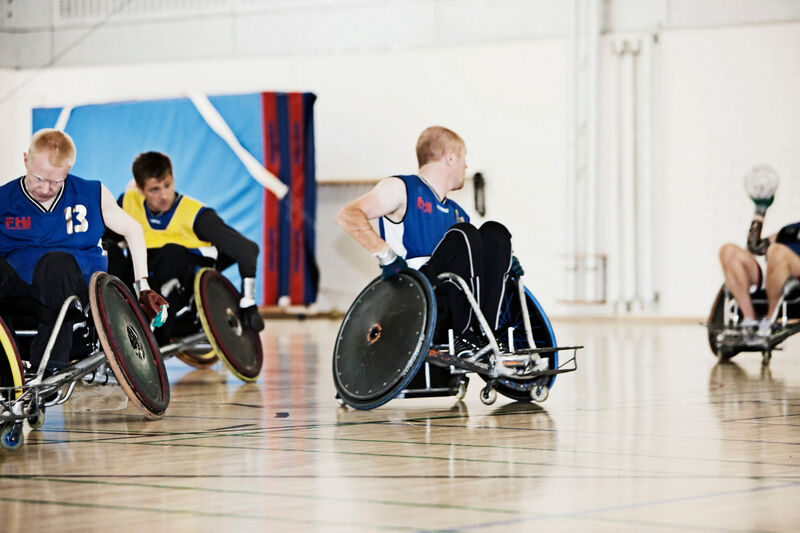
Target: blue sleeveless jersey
424 224
789 235
72 224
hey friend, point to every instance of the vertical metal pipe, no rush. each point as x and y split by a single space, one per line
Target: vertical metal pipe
646 168
592 34
571 241
627 178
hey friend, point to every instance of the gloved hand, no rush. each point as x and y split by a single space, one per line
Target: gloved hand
153 305
516 268
251 318
763 203
393 268
390 262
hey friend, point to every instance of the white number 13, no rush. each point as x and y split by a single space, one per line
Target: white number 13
80 223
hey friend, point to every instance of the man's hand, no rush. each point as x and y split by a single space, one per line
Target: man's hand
393 268
152 303
516 268
390 262
251 318
763 203
154 307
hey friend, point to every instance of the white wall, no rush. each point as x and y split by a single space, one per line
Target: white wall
724 99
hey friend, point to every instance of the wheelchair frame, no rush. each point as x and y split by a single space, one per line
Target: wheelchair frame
29 400
517 373
725 337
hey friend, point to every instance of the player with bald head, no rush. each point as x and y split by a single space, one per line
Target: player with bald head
51 223
420 227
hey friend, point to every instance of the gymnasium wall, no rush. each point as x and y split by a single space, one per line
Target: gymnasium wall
723 99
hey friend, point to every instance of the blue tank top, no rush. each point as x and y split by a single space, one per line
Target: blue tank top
72 224
424 224
789 235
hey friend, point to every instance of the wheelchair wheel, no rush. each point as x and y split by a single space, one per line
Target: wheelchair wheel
715 324
543 337
384 339
129 345
238 348
11 371
198 358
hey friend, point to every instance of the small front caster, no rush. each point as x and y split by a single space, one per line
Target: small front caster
539 393
488 395
11 436
462 390
339 400
766 355
37 420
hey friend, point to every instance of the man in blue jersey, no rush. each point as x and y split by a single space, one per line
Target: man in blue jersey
743 273
51 223
422 228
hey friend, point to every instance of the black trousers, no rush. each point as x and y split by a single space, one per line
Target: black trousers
483 258
55 277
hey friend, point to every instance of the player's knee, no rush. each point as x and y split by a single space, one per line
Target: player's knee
729 252
778 254
494 230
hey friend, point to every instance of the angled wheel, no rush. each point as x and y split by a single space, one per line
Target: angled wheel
543 337
715 324
11 438
238 348
198 358
384 339
11 372
129 345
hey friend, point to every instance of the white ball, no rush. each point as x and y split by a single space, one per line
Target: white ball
761 182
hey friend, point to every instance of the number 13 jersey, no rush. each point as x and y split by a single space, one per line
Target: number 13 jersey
72 224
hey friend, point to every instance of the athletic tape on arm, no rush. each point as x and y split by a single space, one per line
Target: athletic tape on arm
221 128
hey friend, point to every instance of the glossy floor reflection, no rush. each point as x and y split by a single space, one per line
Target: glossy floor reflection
649 434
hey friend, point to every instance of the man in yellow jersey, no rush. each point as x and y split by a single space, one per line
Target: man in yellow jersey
183 235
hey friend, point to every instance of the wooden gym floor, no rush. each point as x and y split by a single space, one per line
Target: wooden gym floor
648 435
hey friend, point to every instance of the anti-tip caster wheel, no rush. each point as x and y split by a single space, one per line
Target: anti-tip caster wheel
462 390
539 393
36 421
766 355
340 401
11 436
488 395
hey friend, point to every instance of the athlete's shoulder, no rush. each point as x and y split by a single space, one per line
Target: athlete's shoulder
188 200
11 184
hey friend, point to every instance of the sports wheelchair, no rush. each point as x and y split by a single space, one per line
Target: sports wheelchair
726 339
118 338
210 329
385 350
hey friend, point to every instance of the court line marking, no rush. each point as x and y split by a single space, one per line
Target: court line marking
614 508
262 493
208 514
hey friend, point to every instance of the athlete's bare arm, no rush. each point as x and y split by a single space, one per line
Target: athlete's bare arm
388 199
121 222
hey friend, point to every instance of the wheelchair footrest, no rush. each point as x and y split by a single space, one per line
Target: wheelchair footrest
523 360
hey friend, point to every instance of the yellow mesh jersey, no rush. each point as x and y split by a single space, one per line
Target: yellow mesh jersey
178 228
